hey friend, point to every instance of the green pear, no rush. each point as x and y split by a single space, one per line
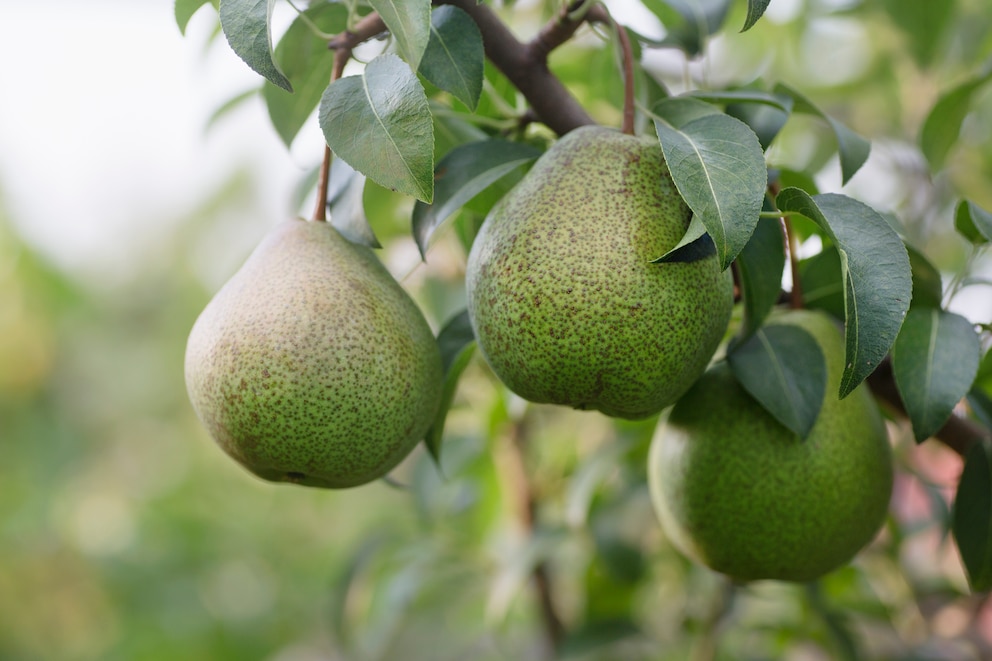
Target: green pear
739 492
312 365
564 300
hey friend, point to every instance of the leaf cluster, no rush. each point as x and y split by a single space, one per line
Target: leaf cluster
431 118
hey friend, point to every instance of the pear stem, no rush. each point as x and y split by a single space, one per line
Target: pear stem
628 77
341 56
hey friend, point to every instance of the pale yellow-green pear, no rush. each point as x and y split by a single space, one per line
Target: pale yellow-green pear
312 365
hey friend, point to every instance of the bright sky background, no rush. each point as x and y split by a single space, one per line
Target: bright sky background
103 127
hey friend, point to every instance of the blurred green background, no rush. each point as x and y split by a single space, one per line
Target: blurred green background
125 534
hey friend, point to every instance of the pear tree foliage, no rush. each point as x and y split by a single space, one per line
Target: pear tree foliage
446 111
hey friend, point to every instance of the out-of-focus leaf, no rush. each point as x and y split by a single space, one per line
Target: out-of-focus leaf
973 222
924 22
457 344
943 125
463 173
851 147
755 9
185 10
783 368
345 191
306 61
779 101
877 276
972 518
823 282
934 361
927 287
718 167
455 57
409 21
229 106
246 25
689 22
761 263
381 124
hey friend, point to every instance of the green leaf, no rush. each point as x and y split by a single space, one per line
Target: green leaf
823 282
927 287
409 21
973 222
755 9
783 368
943 125
924 22
779 101
934 361
381 124
462 174
972 519
876 271
695 244
455 57
851 147
185 10
308 64
246 25
457 344
689 22
761 263
718 167
344 202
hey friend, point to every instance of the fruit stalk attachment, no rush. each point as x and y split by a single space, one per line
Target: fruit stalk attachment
342 53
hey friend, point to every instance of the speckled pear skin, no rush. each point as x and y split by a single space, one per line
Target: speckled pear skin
740 493
312 365
564 300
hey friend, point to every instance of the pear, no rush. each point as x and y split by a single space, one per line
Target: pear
312 365
737 491
565 303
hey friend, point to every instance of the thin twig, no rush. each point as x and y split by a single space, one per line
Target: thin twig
342 54
527 503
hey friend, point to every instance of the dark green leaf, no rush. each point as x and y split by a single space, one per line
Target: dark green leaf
380 123
973 222
344 202
761 263
783 368
689 22
696 244
755 9
927 287
924 22
718 167
877 276
463 173
823 282
934 361
972 521
246 25
851 147
307 63
765 120
680 110
457 344
943 125
455 57
409 21
981 405
779 101
185 10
